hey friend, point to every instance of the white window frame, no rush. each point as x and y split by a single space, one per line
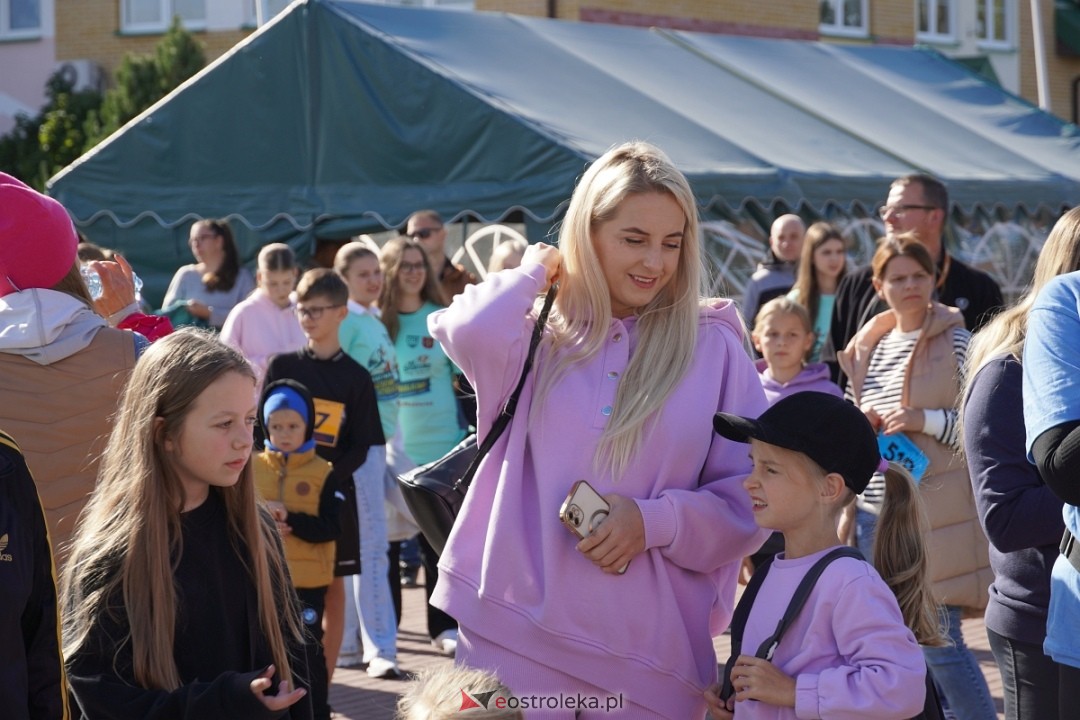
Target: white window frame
167 12
445 4
7 33
839 29
251 16
932 35
988 41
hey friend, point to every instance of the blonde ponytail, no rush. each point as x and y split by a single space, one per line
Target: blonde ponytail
901 558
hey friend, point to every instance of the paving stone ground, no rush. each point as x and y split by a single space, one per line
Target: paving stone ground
355 696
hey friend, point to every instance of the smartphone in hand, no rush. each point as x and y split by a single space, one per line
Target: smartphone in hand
584 509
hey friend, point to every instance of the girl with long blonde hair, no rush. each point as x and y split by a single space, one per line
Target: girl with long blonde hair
1019 512
631 363
176 600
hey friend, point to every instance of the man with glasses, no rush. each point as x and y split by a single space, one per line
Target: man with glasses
917 203
426 227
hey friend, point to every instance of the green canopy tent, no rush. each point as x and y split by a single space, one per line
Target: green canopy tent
341 117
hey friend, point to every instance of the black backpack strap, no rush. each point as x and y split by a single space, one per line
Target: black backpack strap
507 413
798 599
738 623
802 592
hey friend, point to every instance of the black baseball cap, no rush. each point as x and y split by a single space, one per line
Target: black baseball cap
829 430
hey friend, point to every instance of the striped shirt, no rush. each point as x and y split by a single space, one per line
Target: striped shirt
884 387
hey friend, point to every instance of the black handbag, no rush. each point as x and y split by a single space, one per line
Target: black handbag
435 492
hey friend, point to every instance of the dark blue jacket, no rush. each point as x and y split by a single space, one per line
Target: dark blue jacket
1021 516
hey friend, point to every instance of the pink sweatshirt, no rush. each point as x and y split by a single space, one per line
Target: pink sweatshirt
260 329
849 651
815 377
510 572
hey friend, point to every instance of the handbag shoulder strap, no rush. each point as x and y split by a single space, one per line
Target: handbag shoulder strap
508 410
738 623
798 599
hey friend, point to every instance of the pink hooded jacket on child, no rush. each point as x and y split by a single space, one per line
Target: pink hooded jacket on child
814 376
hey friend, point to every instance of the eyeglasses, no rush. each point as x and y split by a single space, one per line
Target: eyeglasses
424 233
900 210
313 312
411 267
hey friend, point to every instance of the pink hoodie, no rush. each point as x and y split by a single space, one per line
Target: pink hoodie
815 376
510 572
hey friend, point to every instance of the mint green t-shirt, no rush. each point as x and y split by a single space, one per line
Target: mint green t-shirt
822 322
364 338
427 409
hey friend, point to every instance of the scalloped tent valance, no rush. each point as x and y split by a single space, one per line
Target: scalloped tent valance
340 117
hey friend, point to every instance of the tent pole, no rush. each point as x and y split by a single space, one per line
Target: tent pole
1040 56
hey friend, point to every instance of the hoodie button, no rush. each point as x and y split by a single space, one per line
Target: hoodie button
617 338
606 410
612 375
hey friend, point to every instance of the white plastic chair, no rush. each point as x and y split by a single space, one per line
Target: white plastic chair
497 233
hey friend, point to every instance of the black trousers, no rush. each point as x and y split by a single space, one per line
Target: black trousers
1035 686
437 620
313 602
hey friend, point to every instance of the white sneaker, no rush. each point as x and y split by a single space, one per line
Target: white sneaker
349 660
385 669
446 642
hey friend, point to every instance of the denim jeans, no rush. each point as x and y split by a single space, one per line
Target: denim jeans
957 673
368 601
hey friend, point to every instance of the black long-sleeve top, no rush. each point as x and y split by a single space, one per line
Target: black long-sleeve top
218 647
31 671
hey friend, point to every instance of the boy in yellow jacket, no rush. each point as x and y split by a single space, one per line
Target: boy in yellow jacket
296 485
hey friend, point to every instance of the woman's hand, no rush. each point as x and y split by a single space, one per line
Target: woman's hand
872 415
718 709
902 418
618 538
284 697
757 679
198 309
117 286
546 255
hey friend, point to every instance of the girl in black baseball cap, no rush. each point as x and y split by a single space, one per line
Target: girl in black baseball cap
849 651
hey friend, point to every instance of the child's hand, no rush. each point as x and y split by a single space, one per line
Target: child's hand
284 697
903 418
718 710
757 679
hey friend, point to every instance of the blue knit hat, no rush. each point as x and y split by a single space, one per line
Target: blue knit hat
284 398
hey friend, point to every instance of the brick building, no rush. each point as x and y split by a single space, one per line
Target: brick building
92 36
